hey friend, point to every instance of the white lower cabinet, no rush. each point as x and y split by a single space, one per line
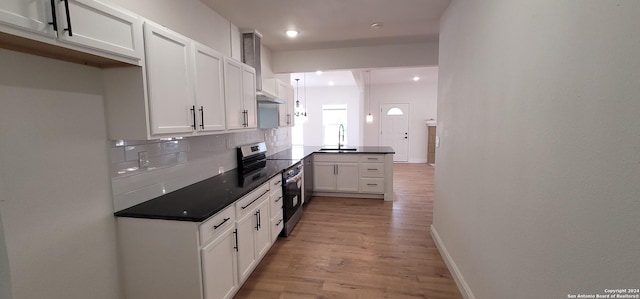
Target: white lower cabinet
191 260
336 173
254 239
218 260
359 175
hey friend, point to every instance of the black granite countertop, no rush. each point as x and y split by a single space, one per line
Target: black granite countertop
301 152
201 200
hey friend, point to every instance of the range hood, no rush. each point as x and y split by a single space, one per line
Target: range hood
251 56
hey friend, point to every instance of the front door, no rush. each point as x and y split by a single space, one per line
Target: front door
394 129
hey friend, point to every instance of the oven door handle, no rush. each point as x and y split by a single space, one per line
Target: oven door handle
293 178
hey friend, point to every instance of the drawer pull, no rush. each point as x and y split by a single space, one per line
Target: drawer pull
372 158
372 184
279 198
221 223
254 200
277 183
278 224
372 168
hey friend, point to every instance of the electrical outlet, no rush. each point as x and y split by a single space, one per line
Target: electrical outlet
143 159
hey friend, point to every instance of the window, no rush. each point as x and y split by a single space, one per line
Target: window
332 117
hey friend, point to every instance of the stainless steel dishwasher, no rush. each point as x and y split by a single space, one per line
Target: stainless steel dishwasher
308 178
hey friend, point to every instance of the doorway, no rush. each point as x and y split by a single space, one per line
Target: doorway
394 129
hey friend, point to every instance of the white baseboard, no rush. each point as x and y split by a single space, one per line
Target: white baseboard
451 265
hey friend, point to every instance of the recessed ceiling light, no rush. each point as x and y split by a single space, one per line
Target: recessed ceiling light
292 33
318 73
416 78
331 83
376 25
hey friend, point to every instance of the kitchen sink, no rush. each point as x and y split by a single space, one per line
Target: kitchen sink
335 149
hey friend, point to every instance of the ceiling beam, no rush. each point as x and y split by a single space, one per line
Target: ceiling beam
396 55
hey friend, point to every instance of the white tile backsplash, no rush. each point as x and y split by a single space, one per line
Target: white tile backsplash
177 163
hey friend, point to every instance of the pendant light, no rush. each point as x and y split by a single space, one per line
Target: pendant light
305 96
367 93
298 92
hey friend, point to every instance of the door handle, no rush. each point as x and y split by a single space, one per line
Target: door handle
193 113
235 232
202 117
66 9
54 21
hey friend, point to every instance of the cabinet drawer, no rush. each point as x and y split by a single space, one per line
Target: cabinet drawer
275 184
372 170
372 185
251 200
372 158
277 223
336 158
276 202
218 223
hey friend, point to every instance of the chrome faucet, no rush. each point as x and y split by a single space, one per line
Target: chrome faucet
340 136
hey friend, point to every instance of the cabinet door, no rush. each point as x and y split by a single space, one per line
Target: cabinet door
33 16
235 115
209 94
324 176
100 27
348 177
246 245
285 118
249 99
291 106
219 266
263 235
169 82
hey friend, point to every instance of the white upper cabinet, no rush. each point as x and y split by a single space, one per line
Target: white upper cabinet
98 26
84 25
34 16
291 105
233 94
249 99
209 88
169 81
240 95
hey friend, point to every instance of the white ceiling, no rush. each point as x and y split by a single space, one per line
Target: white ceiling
334 23
378 76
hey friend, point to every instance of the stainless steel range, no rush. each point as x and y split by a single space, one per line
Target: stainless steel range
252 158
292 191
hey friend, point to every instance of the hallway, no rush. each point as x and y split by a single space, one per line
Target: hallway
360 248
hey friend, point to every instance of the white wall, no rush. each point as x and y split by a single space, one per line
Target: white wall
5 275
422 99
190 18
56 200
396 55
334 95
536 191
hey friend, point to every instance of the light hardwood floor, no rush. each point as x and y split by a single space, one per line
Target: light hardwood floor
360 248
